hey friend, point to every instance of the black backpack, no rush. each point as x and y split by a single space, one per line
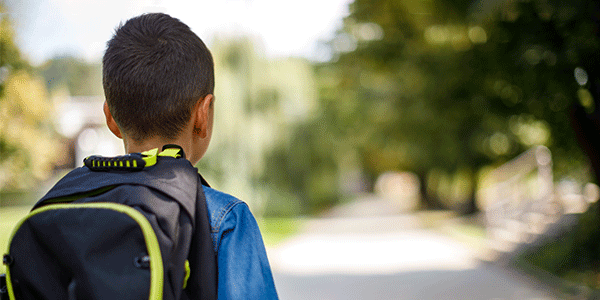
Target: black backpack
127 227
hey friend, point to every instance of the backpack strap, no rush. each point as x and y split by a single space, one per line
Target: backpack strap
175 177
203 182
202 283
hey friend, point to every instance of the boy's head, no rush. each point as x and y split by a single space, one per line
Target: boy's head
155 71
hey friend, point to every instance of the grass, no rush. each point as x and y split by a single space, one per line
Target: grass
474 231
9 216
469 234
277 230
572 259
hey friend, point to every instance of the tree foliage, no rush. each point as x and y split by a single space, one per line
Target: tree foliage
454 85
27 142
79 77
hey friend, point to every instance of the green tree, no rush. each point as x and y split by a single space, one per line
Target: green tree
467 93
78 76
410 107
27 141
449 86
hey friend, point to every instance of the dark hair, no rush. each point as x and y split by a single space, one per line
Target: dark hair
155 69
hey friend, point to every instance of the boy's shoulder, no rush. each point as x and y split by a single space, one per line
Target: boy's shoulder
228 214
220 206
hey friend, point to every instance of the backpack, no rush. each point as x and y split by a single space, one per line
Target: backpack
126 227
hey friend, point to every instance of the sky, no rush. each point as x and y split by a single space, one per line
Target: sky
48 28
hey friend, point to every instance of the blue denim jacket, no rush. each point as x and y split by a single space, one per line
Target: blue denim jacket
243 267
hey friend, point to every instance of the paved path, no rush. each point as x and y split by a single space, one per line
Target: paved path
388 258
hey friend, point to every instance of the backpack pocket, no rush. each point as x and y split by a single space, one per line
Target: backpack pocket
84 251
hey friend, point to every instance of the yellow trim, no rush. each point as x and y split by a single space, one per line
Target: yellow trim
156 264
172 152
150 157
187 273
134 163
150 152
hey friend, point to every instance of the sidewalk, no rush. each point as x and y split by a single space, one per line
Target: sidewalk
408 256
370 245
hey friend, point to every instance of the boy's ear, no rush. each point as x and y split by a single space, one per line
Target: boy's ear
201 115
110 121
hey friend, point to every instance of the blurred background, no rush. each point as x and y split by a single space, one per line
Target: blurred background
463 130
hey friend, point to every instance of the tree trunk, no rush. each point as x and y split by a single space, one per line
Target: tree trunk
469 207
429 202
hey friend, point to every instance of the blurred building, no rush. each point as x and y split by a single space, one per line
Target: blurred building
80 121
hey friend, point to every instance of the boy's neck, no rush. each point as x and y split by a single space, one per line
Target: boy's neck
148 144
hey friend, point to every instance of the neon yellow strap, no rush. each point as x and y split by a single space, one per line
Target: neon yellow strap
150 157
172 152
187 273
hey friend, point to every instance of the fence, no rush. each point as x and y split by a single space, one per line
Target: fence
521 201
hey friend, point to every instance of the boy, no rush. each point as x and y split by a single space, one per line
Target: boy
158 81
